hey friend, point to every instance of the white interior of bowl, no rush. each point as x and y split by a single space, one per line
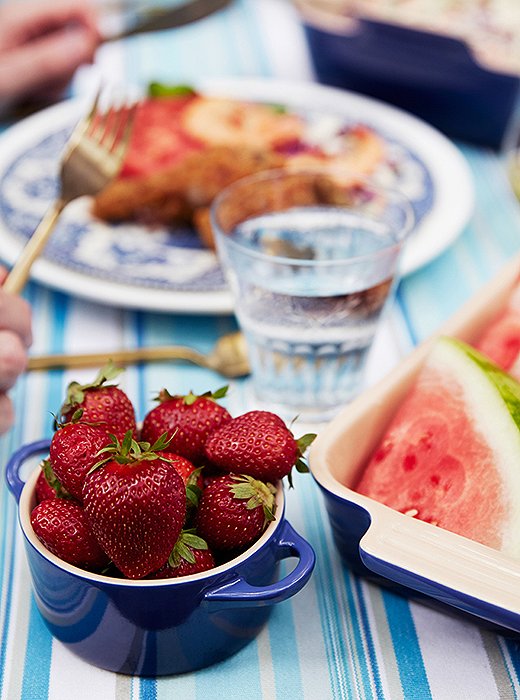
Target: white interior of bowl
28 502
342 449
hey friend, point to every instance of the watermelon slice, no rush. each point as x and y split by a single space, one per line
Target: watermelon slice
501 342
451 455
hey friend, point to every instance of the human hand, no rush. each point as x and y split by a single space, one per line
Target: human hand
15 339
41 46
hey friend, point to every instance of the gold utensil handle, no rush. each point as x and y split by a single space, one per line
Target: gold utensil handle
119 357
20 271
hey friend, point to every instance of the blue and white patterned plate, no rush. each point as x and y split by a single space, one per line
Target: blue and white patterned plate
169 270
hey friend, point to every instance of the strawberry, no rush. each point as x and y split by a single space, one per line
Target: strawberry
191 475
189 472
233 511
189 556
74 451
47 485
257 443
62 526
136 505
187 420
101 403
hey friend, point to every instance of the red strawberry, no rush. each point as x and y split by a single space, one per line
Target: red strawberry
187 420
62 526
43 489
189 556
101 403
47 485
189 472
74 451
233 511
257 443
136 504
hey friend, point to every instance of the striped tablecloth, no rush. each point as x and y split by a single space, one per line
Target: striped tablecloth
341 637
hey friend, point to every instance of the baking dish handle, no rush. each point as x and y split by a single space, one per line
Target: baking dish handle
16 462
289 543
446 566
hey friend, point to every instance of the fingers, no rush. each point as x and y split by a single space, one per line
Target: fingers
6 413
42 48
15 317
13 359
24 22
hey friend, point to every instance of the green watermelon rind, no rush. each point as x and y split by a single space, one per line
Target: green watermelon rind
507 386
492 399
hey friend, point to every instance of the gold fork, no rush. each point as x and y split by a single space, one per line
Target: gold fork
92 157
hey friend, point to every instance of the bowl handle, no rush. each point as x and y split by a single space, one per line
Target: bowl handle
12 470
289 543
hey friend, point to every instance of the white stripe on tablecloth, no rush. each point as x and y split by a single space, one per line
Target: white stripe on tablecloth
265 664
170 687
18 625
453 654
73 678
284 40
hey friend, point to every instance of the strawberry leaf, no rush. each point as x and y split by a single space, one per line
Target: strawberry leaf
194 541
220 393
305 441
257 494
161 443
301 466
76 391
183 549
190 398
52 479
193 493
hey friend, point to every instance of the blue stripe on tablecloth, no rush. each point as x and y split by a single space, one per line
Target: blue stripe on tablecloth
7 572
400 300
9 442
513 647
38 657
284 645
147 689
213 47
370 648
338 663
356 636
38 652
215 681
406 647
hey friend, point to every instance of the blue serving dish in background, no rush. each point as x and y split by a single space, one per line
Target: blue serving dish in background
433 76
414 557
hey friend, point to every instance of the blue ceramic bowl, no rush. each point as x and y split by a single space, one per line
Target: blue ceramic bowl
169 626
435 77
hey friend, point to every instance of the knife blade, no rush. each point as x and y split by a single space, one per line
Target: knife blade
158 19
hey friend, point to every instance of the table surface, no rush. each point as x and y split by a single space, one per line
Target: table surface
341 637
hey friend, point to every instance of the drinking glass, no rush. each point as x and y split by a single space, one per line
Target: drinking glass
311 260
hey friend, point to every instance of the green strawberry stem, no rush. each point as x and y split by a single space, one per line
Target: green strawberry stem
193 490
183 549
52 479
76 391
257 493
190 398
130 451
